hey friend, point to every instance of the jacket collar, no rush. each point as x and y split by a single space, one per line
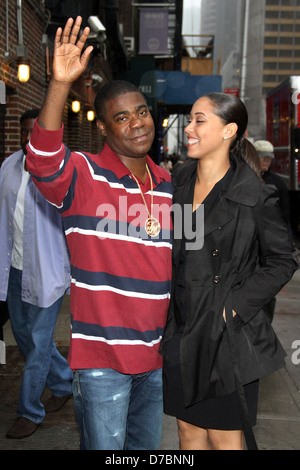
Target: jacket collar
245 185
243 189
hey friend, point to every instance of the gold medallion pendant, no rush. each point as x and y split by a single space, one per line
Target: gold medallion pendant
152 226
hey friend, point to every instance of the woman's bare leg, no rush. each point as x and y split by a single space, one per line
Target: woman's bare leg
193 437
226 440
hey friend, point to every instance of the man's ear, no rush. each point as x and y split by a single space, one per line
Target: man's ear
101 127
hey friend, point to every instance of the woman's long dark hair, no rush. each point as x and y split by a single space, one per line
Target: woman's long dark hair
230 108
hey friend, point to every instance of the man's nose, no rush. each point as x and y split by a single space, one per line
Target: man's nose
135 122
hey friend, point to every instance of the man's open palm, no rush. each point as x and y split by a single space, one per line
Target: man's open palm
69 61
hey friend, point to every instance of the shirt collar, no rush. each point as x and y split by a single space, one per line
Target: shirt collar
113 162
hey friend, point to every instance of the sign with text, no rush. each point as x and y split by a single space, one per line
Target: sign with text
153 31
232 91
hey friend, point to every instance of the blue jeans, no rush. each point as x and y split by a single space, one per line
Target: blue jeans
118 411
33 329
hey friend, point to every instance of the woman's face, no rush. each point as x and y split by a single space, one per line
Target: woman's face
205 131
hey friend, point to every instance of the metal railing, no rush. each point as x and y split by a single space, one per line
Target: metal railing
199 45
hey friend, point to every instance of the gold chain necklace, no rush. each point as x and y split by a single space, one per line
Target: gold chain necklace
152 225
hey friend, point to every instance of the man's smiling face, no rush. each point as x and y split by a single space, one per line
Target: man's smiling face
128 126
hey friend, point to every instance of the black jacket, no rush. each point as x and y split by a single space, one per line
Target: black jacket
246 258
283 194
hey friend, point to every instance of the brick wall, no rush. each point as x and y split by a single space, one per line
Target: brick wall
20 96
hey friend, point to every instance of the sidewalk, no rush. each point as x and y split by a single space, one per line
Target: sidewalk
278 425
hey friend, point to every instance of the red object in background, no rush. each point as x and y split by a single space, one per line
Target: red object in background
283 115
232 91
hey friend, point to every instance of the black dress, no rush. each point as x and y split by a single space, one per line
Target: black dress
220 412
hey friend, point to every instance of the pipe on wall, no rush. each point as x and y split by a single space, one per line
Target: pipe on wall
245 48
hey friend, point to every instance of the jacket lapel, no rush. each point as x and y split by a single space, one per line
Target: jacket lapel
244 189
220 215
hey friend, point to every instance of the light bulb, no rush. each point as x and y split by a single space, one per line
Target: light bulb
90 115
75 106
23 72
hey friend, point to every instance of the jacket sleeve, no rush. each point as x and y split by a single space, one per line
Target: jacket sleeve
276 264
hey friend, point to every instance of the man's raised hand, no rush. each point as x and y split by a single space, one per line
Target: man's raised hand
69 61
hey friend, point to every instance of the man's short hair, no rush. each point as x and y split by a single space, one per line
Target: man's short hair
29 114
109 91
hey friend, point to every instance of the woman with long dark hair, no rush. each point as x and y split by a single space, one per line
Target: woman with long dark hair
217 341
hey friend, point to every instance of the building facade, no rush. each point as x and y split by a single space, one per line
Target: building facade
271 48
273 54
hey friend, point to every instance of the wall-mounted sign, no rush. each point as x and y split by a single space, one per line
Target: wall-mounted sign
153 31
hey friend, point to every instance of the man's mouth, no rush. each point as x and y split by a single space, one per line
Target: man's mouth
140 138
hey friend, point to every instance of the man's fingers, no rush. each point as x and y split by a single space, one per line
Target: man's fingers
75 30
81 41
58 36
70 31
69 34
85 56
66 32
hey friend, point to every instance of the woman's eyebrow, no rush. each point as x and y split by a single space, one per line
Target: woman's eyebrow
200 112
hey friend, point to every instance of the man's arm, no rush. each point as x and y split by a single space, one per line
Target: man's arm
47 157
68 64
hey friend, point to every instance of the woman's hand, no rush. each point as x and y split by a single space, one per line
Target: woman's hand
224 314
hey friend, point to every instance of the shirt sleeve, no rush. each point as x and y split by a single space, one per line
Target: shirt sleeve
49 163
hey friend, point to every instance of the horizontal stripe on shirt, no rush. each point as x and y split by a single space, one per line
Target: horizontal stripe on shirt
114 229
54 176
127 286
115 334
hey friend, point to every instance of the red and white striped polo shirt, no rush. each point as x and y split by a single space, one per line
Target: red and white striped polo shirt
120 276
